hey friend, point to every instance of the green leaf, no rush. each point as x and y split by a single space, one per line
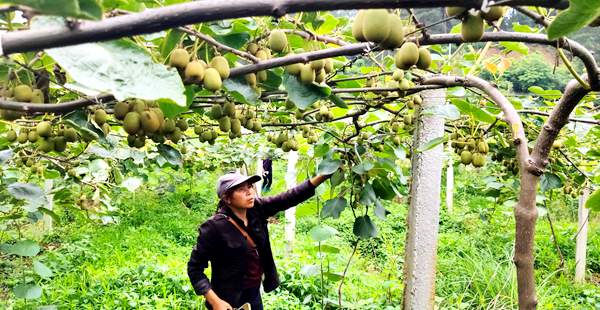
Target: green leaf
337 178
338 101
26 191
446 111
578 15
61 8
322 232
550 181
469 109
328 166
325 248
367 195
431 144
364 228
383 188
321 149
593 202
78 119
50 213
303 95
90 9
171 154
518 47
120 67
333 207
27 291
239 90
25 248
42 270
333 276
363 167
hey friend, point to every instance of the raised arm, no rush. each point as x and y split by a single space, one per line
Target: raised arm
290 198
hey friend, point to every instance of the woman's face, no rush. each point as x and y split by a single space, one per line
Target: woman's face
242 197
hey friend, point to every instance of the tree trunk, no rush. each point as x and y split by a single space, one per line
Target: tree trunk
259 171
581 248
423 213
450 182
290 214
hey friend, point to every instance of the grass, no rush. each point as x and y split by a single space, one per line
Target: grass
140 262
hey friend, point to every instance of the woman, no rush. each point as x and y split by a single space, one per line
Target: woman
236 242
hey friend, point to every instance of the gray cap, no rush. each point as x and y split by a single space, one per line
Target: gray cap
233 179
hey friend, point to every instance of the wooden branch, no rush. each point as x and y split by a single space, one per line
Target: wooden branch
313 36
574 120
155 20
63 107
210 40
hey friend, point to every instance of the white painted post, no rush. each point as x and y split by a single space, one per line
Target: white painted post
423 213
449 181
290 214
581 245
259 171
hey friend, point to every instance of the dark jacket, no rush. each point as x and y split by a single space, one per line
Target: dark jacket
224 246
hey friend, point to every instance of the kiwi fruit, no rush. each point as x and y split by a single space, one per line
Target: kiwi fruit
307 74
483 147
176 136
212 79
407 56
32 136
46 145
494 13
44 129
278 41
236 126
150 122
424 61
376 25
216 112
70 135
23 93
100 117
225 123
408 119
455 11
404 85
252 48
250 79
262 54
182 124
179 58
37 96
60 145
417 99
293 69
466 157
396 36
328 65
11 136
357 26
472 28
398 75
478 160
120 110
132 123
317 64
229 109
22 137
206 135
169 126
139 106
221 65
139 141
261 76
194 71
320 76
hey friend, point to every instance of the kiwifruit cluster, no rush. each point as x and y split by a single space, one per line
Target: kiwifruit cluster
471 150
206 134
571 190
284 140
47 137
210 75
228 118
144 119
250 122
411 55
378 25
313 72
324 114
310 135
262 53
20 93
473 25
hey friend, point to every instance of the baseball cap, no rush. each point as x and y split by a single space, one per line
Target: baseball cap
231 180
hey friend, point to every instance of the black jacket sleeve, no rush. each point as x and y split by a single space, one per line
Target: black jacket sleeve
290 198
202 253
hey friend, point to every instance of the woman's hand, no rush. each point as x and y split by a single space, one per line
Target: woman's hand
216 302
221 305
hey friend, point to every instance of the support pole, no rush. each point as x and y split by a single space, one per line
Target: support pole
581 245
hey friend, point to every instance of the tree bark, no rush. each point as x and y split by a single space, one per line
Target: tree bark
155 20
290 214
449 181
423 213
581 245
